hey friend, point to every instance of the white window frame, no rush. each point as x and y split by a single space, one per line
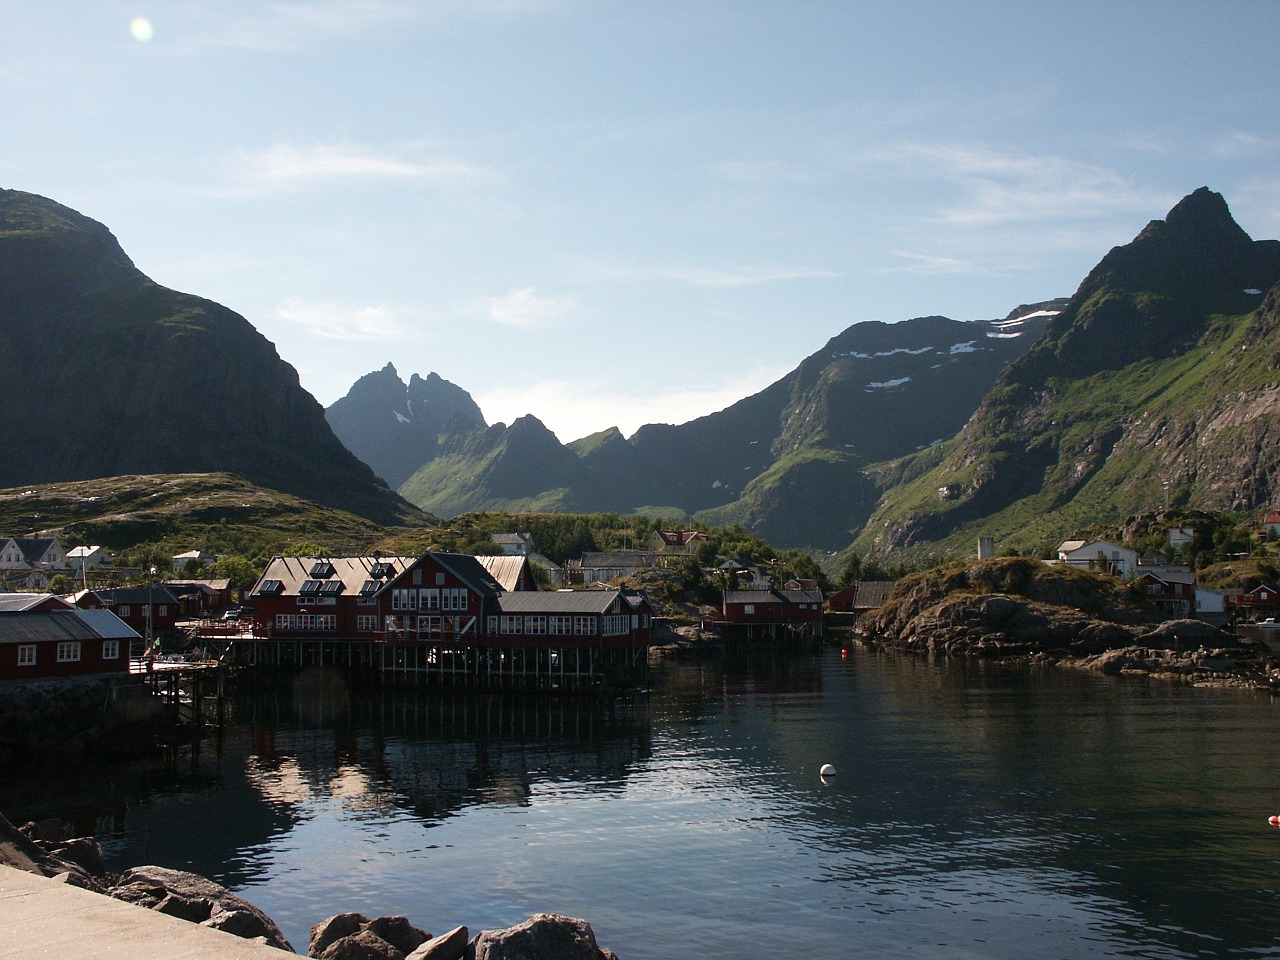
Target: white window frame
26 655
110 649
68 651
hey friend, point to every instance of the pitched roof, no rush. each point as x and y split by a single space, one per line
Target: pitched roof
753 596
37 626
506 569
288 574
560 601
869 594
106 624
33 548
157 594
18 602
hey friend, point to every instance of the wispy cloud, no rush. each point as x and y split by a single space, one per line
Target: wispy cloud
737 276
920 263
1241 143
524 308
335 321
1004 187
745 276
285 165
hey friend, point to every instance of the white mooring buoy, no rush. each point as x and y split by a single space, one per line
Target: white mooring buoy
827 770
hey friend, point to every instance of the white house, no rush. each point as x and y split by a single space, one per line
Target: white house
80 557
180 560
515 544
1099 555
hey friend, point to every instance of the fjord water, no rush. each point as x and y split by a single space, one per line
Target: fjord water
976 812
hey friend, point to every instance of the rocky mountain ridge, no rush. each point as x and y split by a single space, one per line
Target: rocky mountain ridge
761 462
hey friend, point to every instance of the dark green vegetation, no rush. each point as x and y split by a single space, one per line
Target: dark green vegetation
146 520
1159 384
120 376
786 463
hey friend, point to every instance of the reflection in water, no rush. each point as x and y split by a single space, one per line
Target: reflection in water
977 811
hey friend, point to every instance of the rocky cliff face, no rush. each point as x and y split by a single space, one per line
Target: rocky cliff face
395 427
108 374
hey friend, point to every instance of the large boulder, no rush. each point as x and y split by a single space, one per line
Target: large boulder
544 936
447 946
353 936
198 899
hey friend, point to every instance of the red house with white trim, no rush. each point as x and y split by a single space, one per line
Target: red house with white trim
46 644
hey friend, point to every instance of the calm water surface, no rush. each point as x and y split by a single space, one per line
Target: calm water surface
976 812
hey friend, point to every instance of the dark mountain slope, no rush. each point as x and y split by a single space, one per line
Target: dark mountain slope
1155 381
119 376
785 462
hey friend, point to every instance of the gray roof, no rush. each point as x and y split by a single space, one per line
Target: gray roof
38 626
16 602
506 569
106 624
353 572
752 596
561 602
33 548
154 595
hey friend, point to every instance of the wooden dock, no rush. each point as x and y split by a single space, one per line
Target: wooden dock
40 917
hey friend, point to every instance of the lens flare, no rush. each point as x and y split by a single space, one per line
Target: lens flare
141 29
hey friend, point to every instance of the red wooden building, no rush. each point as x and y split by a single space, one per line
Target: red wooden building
46 644
149 610
769 614
441 615
1259 603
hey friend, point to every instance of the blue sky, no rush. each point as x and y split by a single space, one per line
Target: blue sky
608 213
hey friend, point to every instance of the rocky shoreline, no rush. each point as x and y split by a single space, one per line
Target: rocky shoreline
1022 611
343 936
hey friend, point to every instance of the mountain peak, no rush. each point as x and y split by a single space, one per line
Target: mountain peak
1203 216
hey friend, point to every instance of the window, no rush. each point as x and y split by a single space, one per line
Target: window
69 651
417 576
748 608
126 610
454 599
535 626
561 625
306 621
27 655
584 626
162 610
404 599
430 599
512 624
367 622
110 649
321 569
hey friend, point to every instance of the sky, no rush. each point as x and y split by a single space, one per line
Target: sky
616 213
